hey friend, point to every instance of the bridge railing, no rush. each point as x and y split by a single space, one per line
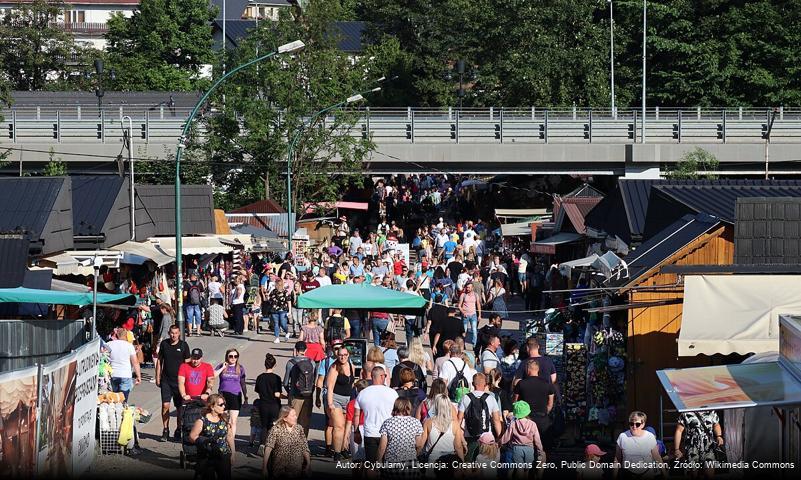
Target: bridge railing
162 124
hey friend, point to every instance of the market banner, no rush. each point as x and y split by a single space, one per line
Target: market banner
56 409
18 395
84 415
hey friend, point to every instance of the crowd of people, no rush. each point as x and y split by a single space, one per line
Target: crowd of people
453 389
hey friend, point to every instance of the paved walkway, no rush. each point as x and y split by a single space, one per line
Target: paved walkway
159 458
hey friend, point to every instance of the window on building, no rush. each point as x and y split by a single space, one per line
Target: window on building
75 16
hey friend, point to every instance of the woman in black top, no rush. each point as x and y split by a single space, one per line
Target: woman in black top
268 386
340 380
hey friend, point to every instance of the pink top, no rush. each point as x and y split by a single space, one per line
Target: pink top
522 431
467 303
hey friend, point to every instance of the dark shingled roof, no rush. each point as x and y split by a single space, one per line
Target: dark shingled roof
13 259
92 199
768 231
669 241
635 197
349 34
197 208
721 200
40 206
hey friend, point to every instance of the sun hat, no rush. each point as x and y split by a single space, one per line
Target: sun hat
521 409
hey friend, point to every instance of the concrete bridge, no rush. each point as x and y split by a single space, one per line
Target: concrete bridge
490 140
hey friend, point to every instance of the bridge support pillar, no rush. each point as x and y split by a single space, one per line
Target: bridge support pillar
643 171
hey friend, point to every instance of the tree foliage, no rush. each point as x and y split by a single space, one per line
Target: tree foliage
695 164
163 46
34 50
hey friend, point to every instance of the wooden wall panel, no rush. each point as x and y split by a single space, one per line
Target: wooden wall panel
653 331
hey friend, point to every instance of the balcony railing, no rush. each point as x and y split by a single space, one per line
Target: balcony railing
82 27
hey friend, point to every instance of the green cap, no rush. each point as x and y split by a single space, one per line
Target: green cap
521 409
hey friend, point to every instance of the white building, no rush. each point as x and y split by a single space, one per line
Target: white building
87 20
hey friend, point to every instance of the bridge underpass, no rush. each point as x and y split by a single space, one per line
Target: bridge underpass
517 141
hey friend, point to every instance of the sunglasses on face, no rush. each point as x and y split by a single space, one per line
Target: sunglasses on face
635 424
233 356
221 404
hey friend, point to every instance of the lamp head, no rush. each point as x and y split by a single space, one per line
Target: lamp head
291 47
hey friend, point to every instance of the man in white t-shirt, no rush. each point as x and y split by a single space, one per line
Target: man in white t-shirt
489 357
376 401
455 364
123 363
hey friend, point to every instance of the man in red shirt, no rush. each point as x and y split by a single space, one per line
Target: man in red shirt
397 268
196 378
308 283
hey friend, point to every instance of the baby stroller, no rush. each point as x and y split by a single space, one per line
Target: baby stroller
192 411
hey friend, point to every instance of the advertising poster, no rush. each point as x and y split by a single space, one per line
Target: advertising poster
84 417
57 405
730 386
18 392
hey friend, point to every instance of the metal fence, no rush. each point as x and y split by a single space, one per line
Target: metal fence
24 343
162 124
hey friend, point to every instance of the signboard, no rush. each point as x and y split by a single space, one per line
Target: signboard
730 386
299 246
18 394
84 417
545 249
56 411
404 249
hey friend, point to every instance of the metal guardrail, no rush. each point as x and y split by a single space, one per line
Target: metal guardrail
162 124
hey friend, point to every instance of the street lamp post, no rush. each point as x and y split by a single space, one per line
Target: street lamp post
612 56
128 138
286 48
644 37
290 149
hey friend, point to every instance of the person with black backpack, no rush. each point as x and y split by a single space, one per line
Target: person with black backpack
480 413
337 327
339 387
299 380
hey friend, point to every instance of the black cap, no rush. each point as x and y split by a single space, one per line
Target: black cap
197 353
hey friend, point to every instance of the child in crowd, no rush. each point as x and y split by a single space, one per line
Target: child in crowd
592 469
488 452
524 438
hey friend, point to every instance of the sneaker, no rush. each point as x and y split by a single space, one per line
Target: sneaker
329 452
165 435
277 340
337 456
288 336
345 454
134 451
261 450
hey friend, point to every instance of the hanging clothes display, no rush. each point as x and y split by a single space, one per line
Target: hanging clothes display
575 381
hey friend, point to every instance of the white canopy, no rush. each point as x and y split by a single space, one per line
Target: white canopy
735 313
78 262
566 267
519 212
138 252
521 229
193 245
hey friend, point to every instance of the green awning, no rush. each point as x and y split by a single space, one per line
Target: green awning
362 297
53 297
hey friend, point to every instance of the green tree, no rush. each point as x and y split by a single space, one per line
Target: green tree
33 49
55 167
163 46
694 164
267 104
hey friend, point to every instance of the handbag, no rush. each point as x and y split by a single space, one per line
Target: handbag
423 457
